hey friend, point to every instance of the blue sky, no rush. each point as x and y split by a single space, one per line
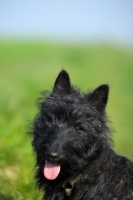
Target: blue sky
67 19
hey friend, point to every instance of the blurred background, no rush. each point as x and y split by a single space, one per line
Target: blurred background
92 40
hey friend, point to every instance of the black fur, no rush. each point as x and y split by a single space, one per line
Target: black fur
71 130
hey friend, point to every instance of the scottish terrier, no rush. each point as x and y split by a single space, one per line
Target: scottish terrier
71 140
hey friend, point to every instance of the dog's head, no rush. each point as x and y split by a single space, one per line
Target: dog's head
70 130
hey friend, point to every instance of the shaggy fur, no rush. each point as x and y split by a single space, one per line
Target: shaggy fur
71 132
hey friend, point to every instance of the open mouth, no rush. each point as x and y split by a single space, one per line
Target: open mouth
51 170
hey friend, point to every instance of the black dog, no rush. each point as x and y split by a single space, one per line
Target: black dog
74 158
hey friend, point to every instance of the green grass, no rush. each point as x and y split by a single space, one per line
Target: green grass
25 70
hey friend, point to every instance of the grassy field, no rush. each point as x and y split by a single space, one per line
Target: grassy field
25 70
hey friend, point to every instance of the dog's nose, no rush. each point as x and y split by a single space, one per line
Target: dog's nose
52 155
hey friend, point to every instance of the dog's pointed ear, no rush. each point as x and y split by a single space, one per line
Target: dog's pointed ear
62 83
99 97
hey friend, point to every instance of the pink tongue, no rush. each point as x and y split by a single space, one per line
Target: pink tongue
51 170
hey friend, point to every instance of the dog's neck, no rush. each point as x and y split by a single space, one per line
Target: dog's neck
68 187
98 166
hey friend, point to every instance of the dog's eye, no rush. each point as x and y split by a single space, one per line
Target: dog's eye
78 128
